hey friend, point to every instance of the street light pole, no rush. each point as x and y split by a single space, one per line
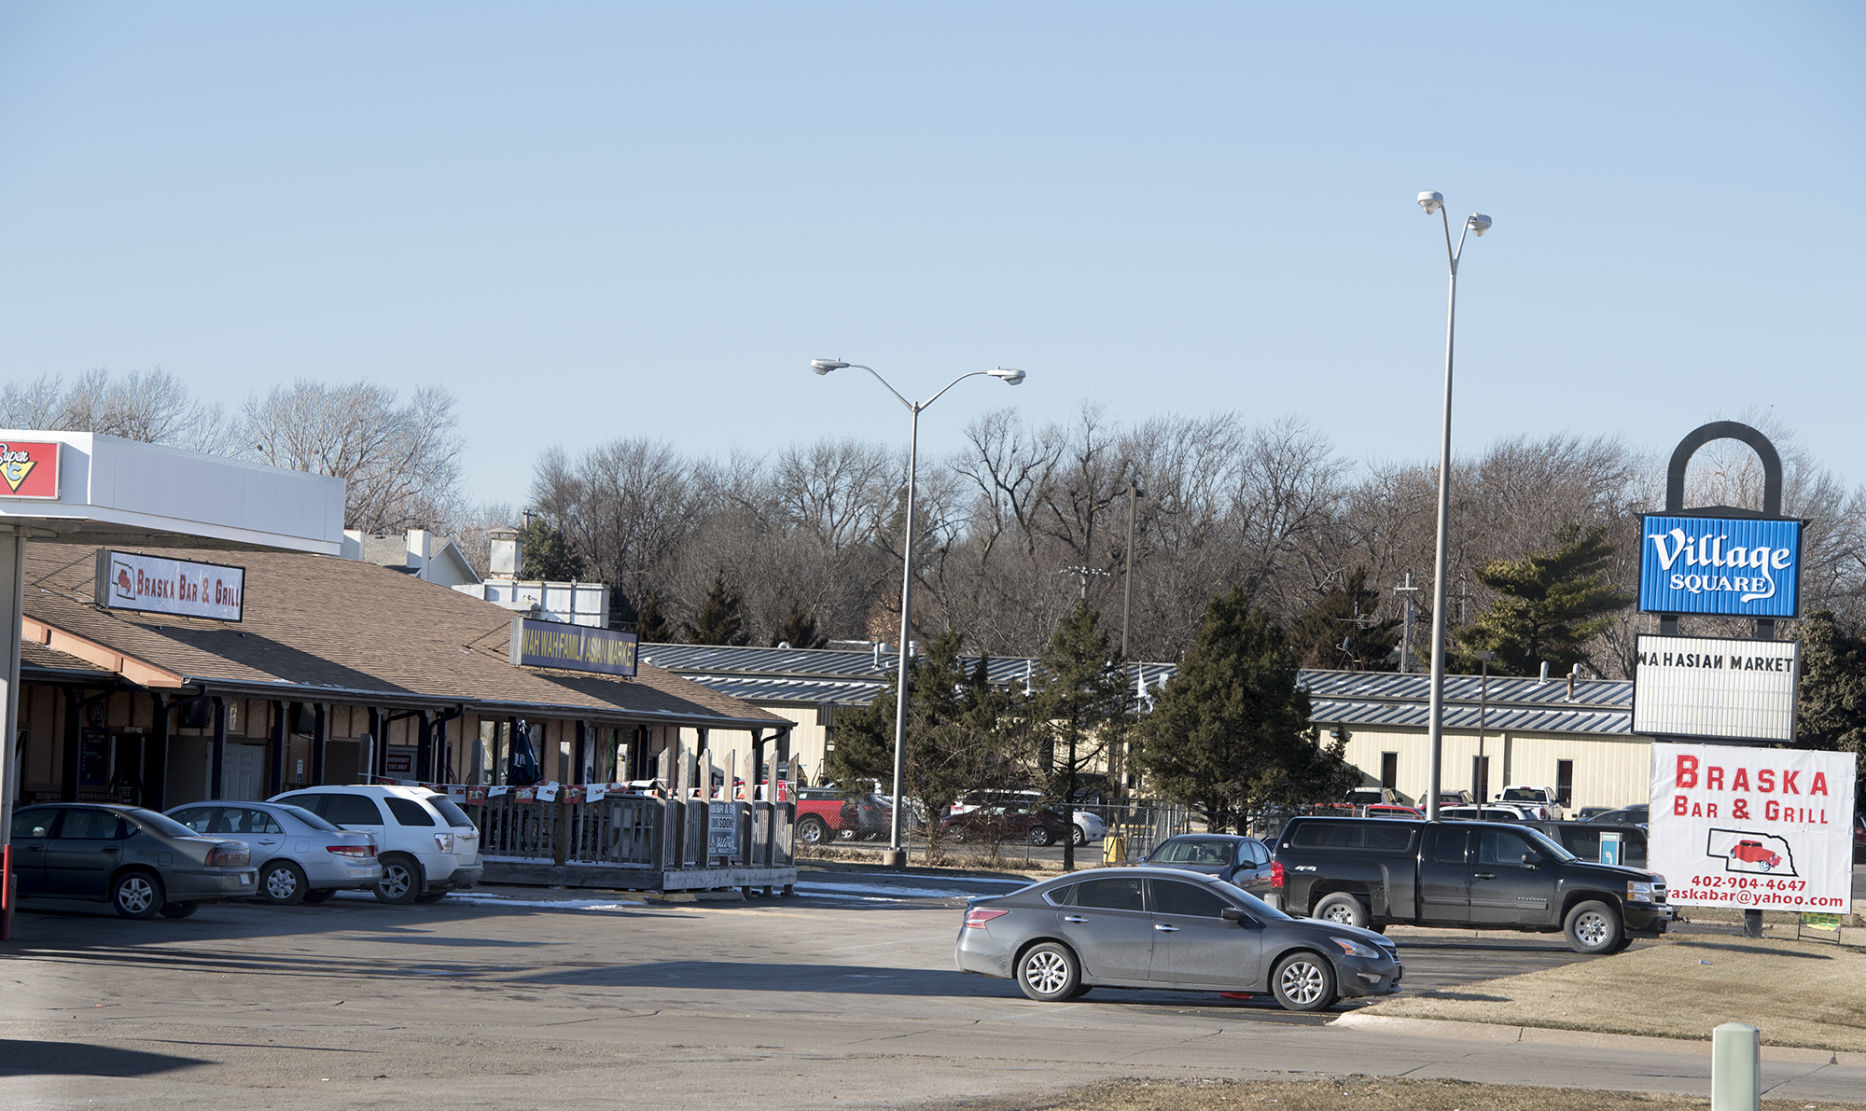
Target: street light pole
1435 724
897 855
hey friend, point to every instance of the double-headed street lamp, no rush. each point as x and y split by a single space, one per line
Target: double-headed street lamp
1435 725
897 856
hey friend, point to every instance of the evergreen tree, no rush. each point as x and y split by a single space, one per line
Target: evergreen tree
799 630
1340 631
1231 734
1831 710
545 554
721 619
960 733
651 624
1078 708
1549 605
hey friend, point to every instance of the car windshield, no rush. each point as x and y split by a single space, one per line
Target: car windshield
1522 794
1548 844
162 823
1256 906
313 820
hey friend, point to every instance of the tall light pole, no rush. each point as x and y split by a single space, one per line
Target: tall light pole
1435 725
897 856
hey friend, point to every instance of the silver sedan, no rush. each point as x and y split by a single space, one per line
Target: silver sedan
300 856
1154 928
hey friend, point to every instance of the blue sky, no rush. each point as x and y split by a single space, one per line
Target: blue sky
593 221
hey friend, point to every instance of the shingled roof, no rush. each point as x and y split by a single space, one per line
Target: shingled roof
323 627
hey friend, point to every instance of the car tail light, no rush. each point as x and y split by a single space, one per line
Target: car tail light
229 854
364 851
445 841
976 918
1276 873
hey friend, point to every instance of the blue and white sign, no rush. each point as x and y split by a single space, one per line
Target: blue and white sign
1728 566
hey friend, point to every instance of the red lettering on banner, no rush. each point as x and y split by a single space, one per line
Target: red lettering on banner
1788 782
1819 786
1740 781
1687 771
1765 780
1713 778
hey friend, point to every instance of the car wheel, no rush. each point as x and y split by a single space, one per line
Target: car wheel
1342 909
1048 973
1303 982
179 910
137 895
317 895
1078 836
1593 927
1039 836
811 830
282 883
401 879
960 836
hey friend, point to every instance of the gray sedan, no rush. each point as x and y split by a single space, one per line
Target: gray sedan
140 862
1149 928
1244 861
300 856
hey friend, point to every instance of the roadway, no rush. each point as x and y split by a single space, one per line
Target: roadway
844 993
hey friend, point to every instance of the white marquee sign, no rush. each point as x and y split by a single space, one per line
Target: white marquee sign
1716 688
127 581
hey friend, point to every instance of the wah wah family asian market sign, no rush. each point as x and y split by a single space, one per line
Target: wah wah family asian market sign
573 647
1753 828
1716 688
126 581
1728 566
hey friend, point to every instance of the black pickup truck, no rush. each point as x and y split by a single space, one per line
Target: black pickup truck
1376 872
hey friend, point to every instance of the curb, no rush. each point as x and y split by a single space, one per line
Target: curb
1538 1035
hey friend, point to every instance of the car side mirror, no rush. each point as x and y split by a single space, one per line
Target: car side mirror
1530 860
1236 916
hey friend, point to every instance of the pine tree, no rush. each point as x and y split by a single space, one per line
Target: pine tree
960 733
1549 605
651 623
1078 708
1831 711
546 555
1340 632
799 630
1230 734
720 619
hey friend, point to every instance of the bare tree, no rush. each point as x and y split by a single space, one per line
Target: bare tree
400 464
151 406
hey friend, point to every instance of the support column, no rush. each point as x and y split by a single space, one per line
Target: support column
320 733
218 759
12 597
276 733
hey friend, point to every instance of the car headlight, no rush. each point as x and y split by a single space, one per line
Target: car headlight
1639 891
1354 948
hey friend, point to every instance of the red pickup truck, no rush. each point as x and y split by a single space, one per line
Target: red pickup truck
824 814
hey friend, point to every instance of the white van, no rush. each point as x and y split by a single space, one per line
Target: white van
426 844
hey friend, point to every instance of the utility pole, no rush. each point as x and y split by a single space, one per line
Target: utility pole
1087 573
1408 590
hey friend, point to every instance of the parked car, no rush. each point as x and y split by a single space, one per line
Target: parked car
1148 928
1455 798
140 862
1543 802
1377 872
1627 815
1006 821
427 845
300 857
1391 810
1583 839
1240 861
1372 796
823 814
1090 826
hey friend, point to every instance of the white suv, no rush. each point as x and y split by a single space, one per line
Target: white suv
427 845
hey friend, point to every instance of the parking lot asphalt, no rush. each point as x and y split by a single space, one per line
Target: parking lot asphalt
555 998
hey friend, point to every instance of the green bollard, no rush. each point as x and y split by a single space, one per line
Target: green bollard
1736 1068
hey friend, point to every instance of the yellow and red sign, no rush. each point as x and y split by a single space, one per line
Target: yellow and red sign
29 470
